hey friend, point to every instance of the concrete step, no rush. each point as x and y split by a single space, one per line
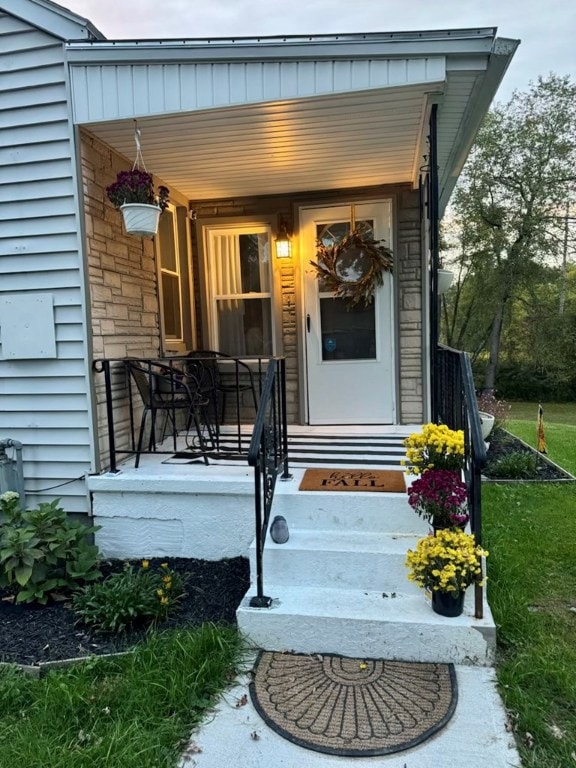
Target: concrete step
350 511
367 625
346 560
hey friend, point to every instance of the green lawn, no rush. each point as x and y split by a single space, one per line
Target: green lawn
135 711
530 531
559 429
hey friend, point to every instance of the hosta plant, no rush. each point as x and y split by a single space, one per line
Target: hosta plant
43 553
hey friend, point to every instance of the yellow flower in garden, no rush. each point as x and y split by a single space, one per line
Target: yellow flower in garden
164 565
145 564
163 601
160 592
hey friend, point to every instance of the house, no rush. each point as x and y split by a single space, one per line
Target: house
253 137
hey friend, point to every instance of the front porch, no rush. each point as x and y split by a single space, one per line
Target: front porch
182 507
338 585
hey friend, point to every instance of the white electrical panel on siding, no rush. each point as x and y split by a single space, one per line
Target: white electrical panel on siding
27 329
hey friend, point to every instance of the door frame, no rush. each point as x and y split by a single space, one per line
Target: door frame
301 297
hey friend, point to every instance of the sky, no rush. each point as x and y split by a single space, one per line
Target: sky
546 28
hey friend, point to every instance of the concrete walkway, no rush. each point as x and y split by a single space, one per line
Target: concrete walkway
234 736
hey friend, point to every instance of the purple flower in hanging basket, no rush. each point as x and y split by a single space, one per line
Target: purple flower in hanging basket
137 186
440 497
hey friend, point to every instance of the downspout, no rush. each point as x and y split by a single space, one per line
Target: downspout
433 216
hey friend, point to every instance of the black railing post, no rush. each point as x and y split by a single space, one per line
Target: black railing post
110 415
433 221
268 455
458 409
260 600
284 420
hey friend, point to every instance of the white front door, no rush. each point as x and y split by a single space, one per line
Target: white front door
349 350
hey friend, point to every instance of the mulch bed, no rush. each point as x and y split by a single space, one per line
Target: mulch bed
32 634
503 443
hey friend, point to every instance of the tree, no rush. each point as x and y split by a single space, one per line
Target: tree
509 208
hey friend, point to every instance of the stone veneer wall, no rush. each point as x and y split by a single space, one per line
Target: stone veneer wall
408 274
122 285
124 297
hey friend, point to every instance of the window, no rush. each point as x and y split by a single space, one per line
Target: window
240 281
170 277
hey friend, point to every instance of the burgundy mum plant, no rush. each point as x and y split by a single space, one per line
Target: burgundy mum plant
136 187
440 497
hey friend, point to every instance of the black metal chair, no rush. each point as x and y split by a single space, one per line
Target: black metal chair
220 376
164 389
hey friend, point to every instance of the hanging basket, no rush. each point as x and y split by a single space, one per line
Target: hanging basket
140 219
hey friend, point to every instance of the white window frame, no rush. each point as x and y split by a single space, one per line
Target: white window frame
237 228
167 340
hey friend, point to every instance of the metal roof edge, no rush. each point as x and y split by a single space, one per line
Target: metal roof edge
437 34
499 60
383 44
53 19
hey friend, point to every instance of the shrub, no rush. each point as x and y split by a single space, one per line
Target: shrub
135 596
42 552
513 466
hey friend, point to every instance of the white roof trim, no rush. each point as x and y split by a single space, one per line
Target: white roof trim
502 52
52 18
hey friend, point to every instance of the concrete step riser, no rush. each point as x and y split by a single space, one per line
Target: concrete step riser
377 571
370 512
366 639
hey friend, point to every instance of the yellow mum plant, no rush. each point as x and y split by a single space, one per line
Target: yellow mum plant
448 562
435 447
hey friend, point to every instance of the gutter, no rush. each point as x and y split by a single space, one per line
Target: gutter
346 46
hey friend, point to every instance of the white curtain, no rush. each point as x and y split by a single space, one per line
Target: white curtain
228 282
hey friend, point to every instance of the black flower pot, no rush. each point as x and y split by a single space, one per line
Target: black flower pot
447 604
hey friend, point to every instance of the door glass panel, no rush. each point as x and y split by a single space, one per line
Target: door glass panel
354 264
348 333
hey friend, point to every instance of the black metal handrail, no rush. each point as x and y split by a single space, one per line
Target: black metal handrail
134 384
457 407
268 454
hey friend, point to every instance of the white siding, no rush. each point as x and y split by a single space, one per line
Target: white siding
111 92
43 403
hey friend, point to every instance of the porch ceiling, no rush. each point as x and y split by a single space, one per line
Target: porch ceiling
339 141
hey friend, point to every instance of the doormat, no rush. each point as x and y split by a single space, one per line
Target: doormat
374 480
352 707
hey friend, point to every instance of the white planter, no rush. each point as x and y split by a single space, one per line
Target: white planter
444 280
487 423
140 219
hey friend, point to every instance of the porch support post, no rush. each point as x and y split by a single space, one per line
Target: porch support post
433 216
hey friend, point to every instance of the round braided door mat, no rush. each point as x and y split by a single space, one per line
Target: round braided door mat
352 707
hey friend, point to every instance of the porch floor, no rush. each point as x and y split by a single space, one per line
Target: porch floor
366 446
